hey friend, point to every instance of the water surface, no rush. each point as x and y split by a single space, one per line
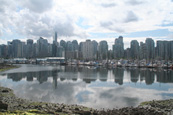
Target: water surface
89 86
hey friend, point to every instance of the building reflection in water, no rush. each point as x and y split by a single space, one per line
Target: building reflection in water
90 86
134 75
91 74
118 75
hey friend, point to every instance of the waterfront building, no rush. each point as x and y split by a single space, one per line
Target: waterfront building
55 39
10 49
50 49
69 50
3 51
60 51
143 50
163 50
75 49
35 50
29 49
118 48
95 49
171 50
16 49
80 55
75 45
23 53
55 45
160 49
63 44
150 48
127 53
103 49
42 47
87 50
134 49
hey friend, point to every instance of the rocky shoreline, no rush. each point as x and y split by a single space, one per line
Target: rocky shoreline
10 104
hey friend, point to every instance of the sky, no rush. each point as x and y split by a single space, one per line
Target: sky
86 19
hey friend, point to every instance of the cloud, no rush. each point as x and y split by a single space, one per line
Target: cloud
170 36
64 29
105 5
0 32
32 19
131 17
135 2
38 6
106 24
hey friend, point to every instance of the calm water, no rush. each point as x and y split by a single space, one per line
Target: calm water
89 86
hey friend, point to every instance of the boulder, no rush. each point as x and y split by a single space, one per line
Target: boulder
3 106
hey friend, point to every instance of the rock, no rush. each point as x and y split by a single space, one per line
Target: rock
3 106
77 109
5 91
59 110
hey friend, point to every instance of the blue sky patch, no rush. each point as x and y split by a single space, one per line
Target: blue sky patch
80 23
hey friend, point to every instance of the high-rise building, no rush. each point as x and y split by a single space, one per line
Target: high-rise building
160 49
10 49
80 54
150 48
63 44
127 53
171 50
17 49
87 50
3 51
60 51
163 50
29 49
75 49
95 49
42 47
75 45
49 48
118 48
143 50
55 39
134 49
69 50
29 42
103 49
55 45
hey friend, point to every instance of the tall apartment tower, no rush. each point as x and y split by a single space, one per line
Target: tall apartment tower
163 50
54 45
42 47
134 49
150 48
55 39
143 50
118 48
29 49
95 49
87 50
103 49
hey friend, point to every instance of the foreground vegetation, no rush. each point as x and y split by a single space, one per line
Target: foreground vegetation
4 67
12 105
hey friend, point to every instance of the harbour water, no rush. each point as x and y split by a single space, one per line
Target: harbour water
96 87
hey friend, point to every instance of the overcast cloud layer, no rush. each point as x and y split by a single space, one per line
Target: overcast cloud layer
80 19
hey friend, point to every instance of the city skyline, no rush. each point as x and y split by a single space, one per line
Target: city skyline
88 50
80 20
